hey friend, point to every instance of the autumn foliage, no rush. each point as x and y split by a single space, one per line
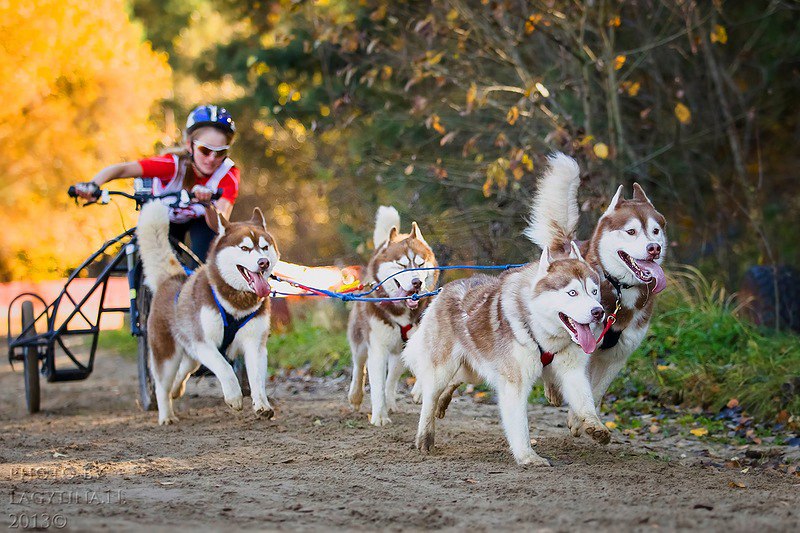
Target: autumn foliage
79 87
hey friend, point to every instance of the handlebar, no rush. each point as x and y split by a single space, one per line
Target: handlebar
141 198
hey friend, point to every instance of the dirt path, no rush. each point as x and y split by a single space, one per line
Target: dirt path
92 461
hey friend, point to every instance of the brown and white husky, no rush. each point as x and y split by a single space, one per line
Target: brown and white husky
504 330
218 312
627 247
378 331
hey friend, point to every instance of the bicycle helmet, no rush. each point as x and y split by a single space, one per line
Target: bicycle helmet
210 115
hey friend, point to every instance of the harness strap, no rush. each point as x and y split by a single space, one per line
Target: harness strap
404 331
231 325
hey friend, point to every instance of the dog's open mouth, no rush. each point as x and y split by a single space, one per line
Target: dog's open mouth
580 333
401 293
257 281
646 271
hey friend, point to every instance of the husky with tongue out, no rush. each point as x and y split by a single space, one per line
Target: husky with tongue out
211 316
504 330
378 331
627 247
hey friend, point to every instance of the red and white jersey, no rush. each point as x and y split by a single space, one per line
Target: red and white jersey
166 167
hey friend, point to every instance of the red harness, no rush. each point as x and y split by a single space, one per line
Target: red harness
404 331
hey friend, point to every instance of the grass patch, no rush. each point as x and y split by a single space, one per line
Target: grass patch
119 341
321 350
698 353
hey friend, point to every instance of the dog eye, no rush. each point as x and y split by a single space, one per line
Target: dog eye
655 231
246 248
573 292
631 231
594 291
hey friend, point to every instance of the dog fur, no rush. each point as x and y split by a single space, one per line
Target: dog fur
629 237
186 330
374 329
493 328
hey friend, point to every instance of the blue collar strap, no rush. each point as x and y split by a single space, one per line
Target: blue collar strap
231 325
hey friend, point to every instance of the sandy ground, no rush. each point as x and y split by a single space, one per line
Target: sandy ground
92 461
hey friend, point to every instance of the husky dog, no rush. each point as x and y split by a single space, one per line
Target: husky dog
627 246
504 330
221 310
378 331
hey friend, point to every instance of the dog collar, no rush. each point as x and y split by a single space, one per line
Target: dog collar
618 286
404 331
547 357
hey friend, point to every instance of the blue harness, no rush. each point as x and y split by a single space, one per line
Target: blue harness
231 325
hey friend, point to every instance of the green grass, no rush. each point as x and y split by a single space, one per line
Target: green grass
120 341
323 350
699 354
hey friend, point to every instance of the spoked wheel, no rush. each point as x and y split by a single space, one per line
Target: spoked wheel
31 361
147 390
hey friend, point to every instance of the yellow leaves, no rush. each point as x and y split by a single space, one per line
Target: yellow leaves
611 425
496 175
452 15
601 150
379 14
736 485
527 162
662 368
699 432
619 61
434 122
324 110
512 115
386 72
719 35
614 22
683 113
530 24
472 93
631 87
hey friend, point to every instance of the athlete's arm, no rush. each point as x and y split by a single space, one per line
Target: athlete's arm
131 169
225 207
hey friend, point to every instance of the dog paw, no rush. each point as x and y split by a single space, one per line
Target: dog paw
167 420
264 411
425 442
599 433
553 395
178 392
392 407
575 424
355 400
531 458
235 403
416 393
380 419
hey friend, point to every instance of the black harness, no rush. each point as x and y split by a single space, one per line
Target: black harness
611 338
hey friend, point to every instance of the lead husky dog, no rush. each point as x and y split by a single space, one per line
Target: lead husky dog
378 331
627 246
221 310
504 330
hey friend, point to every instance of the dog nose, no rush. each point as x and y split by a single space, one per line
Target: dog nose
598 313
654 250
416 283
263 264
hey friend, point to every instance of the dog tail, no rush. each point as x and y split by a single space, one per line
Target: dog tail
554 213
157 256
385 220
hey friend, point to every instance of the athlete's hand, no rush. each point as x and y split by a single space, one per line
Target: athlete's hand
202 194
86 190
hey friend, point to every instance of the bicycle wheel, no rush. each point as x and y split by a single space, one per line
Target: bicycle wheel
147 390
31 361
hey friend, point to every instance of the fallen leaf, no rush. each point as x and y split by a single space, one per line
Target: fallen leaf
611 425
512 115
601 150
409 169
58 454
661 368
736 485
614 22
471 481
719 35
619 61
733 402
699 432
655 428
447 138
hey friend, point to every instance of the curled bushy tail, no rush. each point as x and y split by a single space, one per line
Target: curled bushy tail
385 220
554 213
152 233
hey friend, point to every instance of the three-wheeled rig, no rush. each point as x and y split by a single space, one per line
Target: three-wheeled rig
40 352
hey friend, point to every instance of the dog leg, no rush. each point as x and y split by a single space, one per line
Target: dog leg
433 381
209 356
356 394
551 388
392 380
513 402
570 368
416 393
186 368
255 360
603 368
445 399
163 373
376 365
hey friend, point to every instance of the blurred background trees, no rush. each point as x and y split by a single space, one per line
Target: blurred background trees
445 109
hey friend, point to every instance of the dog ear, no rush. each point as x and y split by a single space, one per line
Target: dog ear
614 202
639 195
575 253
392 234
222 223
544 264
416 233
212 217
258 218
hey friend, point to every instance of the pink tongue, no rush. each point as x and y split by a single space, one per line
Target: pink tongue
585 337
656 272
260 284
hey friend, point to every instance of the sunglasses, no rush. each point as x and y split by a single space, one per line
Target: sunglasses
218 151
